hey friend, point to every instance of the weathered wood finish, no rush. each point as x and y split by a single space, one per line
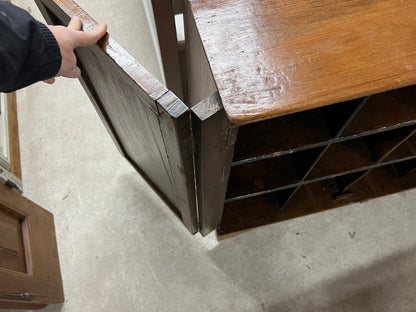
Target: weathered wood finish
29 233
214 147
372 144
148 122
271 58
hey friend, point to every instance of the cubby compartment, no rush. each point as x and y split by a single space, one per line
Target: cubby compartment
364 152
384 110
404 151
315 197
270 174
321 159
342 158
405 168
284 134
259 210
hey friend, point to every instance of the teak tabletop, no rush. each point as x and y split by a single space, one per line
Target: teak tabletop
274 57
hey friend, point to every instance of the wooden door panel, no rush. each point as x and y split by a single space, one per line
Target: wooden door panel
12 254
148 123
29 264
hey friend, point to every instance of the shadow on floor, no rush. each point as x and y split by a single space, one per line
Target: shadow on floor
286 275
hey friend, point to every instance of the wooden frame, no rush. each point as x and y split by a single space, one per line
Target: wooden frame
39 282
10 173
15 163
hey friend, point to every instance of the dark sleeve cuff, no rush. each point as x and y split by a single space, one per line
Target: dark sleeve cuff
52 49
29 51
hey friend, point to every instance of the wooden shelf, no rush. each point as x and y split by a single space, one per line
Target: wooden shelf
282 135
269 174
405 150
389 109
342 158
314 197
321 159
405 168
347 156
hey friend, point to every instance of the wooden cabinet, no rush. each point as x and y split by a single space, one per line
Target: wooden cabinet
289 107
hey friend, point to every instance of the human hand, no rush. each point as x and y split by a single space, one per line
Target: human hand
68 39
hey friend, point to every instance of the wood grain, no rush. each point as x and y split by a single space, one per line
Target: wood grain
12 253
41 283
214 147
15 164
239 216
150 125
270 58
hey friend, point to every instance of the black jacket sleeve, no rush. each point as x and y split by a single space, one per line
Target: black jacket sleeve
28 50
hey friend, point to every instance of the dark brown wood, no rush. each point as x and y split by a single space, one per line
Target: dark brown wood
405 168
28 232
359 153
269 174
353 166
7 304
388 109
149 123
384 143
343 157
396 140
341 123
268 137
175 126
168 43
15 164
271 58
178 6
407 149
312 198
214 146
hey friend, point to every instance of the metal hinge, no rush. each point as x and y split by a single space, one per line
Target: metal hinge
10 180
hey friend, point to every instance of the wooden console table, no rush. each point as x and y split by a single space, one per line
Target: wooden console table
290 107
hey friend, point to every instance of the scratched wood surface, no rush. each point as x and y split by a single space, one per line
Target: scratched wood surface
149 124
270 58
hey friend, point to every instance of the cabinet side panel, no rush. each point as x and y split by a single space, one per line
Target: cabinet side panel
214 141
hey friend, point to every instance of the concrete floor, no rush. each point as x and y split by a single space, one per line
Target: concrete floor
121 249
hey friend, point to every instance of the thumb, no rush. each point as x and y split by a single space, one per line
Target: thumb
86 38
75 23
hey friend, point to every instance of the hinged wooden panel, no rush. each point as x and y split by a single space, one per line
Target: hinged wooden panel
149 124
